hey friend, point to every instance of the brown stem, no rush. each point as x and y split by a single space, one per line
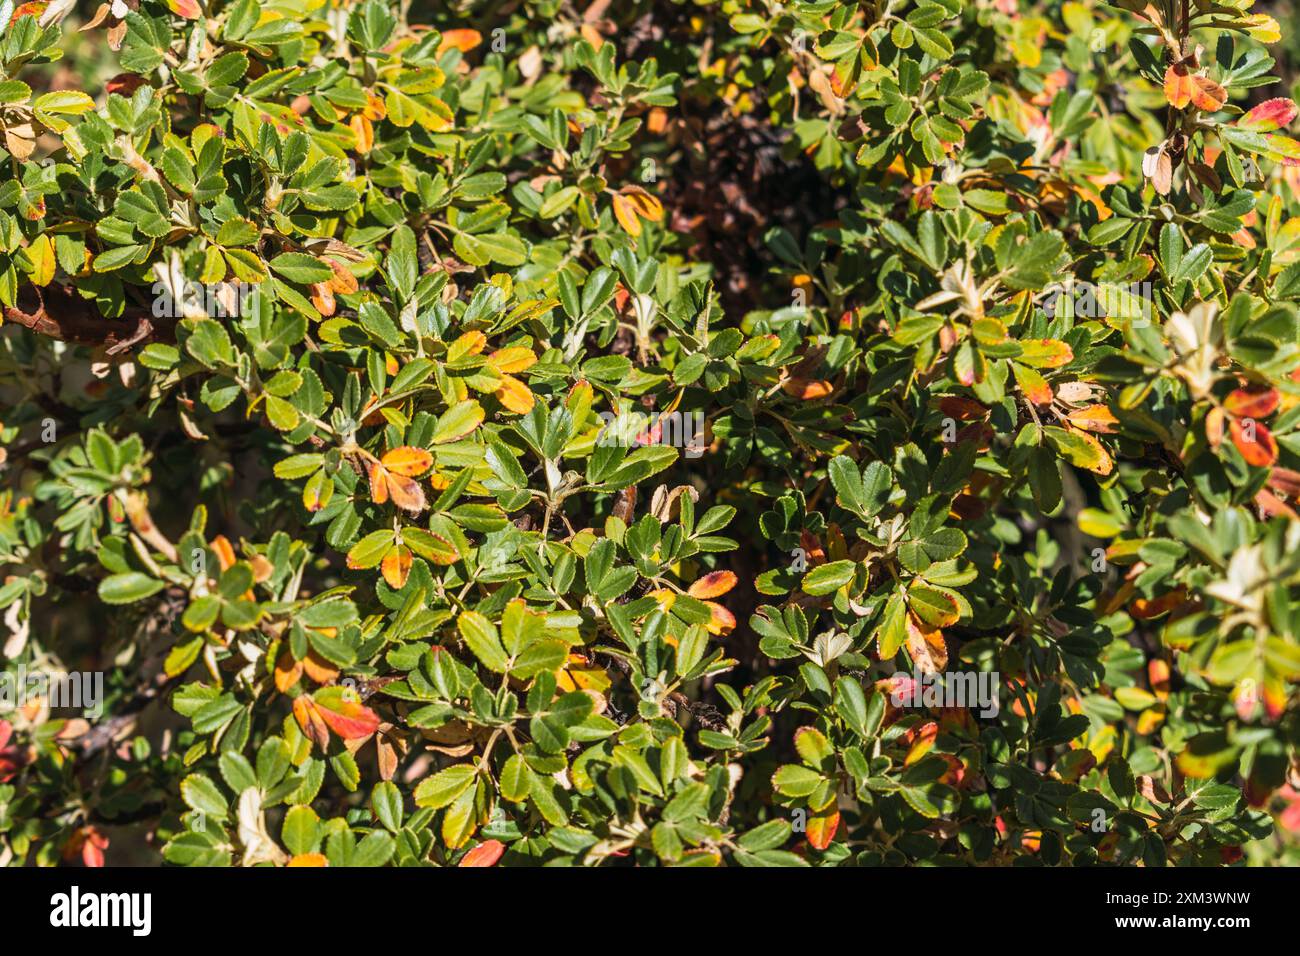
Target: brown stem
60 313
137 510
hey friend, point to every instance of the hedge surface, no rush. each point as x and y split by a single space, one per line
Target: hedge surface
656 433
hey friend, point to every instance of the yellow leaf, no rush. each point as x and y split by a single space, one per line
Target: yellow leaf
41 252
1261 27
1032 384
471 343
516 359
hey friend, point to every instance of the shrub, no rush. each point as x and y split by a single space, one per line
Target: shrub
830 433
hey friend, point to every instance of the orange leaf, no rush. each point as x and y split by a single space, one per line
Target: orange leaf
721 621
395 566
813 546
1183 87
378 485
591 35
821 827
408 461
287 671
262 568
225 552
921 740
376 107
647 206
1254 441
1149 720
625 213
1286 481
1146 610
1253 401
1094 418
318 669
309 719
485 854
189 9
391 477
124 84
33 9
1178 86
344 282
925 645
806 389
364 131
514 395
406 493
342 710
1208 95
463 40
322 297
1158 676
712 585
1215 420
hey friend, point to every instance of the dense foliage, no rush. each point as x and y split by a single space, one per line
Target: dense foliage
513 433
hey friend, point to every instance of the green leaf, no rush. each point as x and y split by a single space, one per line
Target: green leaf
300 268
203 796
445 786
458 421
370 550
826 578
481 636
301 830
793 780
386 802
128 587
